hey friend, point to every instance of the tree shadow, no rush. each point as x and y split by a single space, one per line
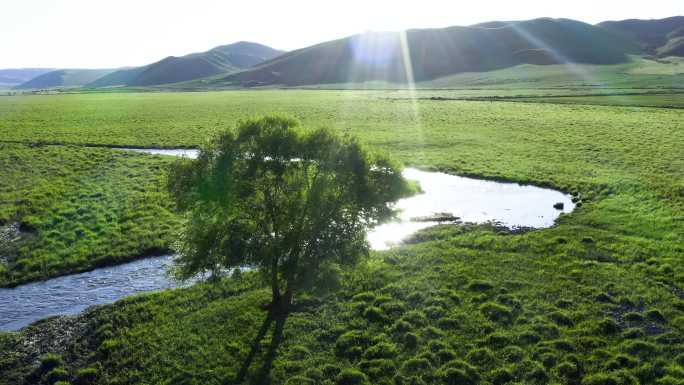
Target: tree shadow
261 377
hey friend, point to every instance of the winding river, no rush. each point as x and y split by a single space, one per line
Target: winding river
445 198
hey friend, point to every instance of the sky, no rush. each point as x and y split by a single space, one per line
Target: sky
116 33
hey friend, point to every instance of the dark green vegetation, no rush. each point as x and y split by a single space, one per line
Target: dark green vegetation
658 37
66 78
221 59
598 299
437 53
13 77
79 208
292 202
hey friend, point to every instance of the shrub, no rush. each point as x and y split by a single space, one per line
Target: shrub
621 361
561 318
497 313
656 316
416 365
374 314
434 312
401 326
380 350
446 355
330 371
448 323
457 372
569 371
529 338
640 348
86 376
378 368
351 377
50 361
299 380
497 340
608 326
513 353
536 374
299 352
501 376
435 345
393 309
415 318
411 340
352 344
57 374
481 357
480 286
633 317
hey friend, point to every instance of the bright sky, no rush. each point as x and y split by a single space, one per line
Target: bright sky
114 33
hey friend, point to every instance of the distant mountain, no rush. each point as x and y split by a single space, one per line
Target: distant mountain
222 59
661 37
64 78
435 53
15 76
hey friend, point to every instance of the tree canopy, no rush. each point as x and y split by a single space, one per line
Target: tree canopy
293 202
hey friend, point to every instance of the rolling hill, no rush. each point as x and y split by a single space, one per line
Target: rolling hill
662 37
221 59
64 78
436 53
12 77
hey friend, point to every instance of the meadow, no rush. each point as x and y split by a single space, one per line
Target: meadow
598 299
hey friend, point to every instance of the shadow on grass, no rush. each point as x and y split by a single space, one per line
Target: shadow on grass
262 376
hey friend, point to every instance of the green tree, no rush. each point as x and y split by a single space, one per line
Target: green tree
292 202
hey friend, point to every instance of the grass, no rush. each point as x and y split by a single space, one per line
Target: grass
80 208
597 299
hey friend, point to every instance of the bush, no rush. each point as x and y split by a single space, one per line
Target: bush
86 376
458 373
480 286
497 313
352 344
561 318
640 348
351 377
374 314
50 361
501 376
569 371
57 374
481 357
416 365
299 380
608 326
378 368
381 350
411 340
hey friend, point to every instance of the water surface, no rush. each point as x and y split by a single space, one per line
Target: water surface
471 200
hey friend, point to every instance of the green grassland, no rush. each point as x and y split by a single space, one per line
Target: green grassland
80 208
597 299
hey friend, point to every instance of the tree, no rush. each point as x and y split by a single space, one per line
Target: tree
292 202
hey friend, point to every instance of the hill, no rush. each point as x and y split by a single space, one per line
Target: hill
14 76
221 59
662 37
64 78
436 53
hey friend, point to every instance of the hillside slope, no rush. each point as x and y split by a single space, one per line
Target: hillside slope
12 77
221 59
436 53
64 78
661 37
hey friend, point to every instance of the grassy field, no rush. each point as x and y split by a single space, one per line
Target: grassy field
79 208
597 299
